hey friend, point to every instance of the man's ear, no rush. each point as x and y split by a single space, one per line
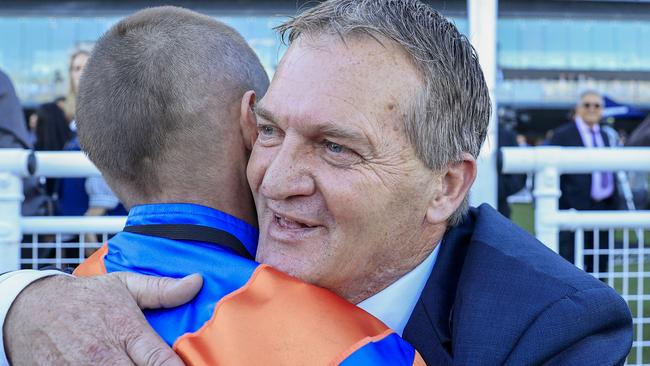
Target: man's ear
455 182
247 119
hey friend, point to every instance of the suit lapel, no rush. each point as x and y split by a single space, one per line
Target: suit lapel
576 138
430 328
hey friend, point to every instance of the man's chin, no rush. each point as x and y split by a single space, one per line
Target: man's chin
292 267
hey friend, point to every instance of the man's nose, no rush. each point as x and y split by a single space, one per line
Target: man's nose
289 174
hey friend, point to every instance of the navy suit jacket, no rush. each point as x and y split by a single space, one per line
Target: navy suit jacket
576 188
498 296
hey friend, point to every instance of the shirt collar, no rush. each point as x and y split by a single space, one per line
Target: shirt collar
582 125
189 213
394 304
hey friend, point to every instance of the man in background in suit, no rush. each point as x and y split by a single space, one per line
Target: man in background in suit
366 149
595 191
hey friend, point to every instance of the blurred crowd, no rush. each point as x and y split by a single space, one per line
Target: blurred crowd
51 127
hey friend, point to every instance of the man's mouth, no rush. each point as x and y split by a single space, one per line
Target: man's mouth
290 229
291 224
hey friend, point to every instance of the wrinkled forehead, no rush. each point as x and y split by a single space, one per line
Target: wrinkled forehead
328 74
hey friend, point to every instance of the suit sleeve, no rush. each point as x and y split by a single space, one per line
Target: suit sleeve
589 327
556 139
11 285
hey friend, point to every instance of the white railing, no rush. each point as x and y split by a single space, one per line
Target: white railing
48 234
24 239
625 248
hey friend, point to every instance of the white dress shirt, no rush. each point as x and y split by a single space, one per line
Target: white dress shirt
591 137
394 304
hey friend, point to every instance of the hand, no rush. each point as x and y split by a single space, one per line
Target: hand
93 321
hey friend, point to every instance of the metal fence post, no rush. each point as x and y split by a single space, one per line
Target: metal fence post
546 193
11 197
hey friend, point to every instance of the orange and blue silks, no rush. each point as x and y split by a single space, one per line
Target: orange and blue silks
246 313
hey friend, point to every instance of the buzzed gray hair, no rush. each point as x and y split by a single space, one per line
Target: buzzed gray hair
451 114
159 83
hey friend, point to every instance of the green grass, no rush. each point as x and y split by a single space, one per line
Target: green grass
523 215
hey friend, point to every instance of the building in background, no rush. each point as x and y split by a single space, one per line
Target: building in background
547 51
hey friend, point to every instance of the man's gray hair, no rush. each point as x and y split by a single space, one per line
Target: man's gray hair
450 115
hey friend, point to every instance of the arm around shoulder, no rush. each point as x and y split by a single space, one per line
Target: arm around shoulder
11 285
588 327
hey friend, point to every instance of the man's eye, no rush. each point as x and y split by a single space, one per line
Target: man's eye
340 155
334 147
266 130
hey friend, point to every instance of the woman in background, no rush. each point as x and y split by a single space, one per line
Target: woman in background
77 64
54 124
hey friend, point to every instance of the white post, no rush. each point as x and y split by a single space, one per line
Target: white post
482 16
546 193
11 198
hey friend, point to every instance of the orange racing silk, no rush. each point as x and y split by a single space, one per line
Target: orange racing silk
249 313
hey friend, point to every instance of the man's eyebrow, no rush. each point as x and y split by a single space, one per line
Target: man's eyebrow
322 128
265 113
333 130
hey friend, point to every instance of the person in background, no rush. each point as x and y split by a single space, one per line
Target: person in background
13 129
14 135
640 137
55 127
508 184
595 191
52 129
78 62
55 122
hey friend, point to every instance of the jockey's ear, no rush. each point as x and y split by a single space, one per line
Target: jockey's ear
247 119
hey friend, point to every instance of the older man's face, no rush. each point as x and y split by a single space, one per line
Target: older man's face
590 108
340 194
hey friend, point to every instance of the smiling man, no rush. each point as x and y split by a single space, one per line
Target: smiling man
365 153
336 181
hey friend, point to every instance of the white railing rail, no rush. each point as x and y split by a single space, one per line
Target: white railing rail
548 162
72 224
51 164
16 164
574 159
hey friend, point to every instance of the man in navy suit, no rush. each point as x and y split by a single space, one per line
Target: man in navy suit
365 151
595 191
